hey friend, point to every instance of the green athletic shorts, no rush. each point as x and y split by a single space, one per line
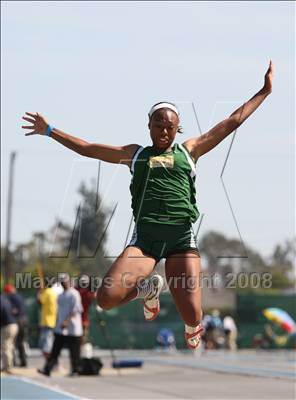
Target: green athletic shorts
161 241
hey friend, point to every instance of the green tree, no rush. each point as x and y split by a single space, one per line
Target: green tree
282 265
224 256
89 236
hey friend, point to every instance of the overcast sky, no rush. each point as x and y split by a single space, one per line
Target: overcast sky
95 68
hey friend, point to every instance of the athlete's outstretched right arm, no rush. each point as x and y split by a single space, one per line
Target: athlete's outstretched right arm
112 154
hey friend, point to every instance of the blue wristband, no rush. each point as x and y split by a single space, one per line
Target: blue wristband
49 130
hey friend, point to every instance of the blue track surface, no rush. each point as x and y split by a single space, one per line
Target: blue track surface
19 388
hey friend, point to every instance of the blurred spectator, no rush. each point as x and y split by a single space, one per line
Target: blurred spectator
68 330
48 300
276 335
166 339
57 288
230 331
262 340
9 330
19 312
208 333
216 319
214 331
87 297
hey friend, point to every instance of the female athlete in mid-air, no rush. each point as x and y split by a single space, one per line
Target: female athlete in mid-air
164 208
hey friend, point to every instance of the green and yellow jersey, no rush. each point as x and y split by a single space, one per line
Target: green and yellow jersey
163 186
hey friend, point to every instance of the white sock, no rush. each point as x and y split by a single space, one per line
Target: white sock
191 329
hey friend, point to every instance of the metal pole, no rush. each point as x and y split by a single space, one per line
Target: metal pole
7 264
80 214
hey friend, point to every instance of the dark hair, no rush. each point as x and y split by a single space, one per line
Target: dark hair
180 129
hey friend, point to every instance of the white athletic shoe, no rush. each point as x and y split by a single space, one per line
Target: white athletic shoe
193 338
152 289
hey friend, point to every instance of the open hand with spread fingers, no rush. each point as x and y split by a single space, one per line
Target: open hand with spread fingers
38 125
268 78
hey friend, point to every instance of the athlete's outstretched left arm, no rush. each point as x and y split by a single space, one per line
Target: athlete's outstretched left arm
206 142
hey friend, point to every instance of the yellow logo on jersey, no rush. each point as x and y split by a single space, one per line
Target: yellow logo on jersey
161 161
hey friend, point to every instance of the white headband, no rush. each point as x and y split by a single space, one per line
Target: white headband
163 105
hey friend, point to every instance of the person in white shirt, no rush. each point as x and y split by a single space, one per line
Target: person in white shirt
68 330
230 330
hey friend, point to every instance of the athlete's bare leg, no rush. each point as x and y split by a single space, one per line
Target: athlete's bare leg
119 284
183 277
